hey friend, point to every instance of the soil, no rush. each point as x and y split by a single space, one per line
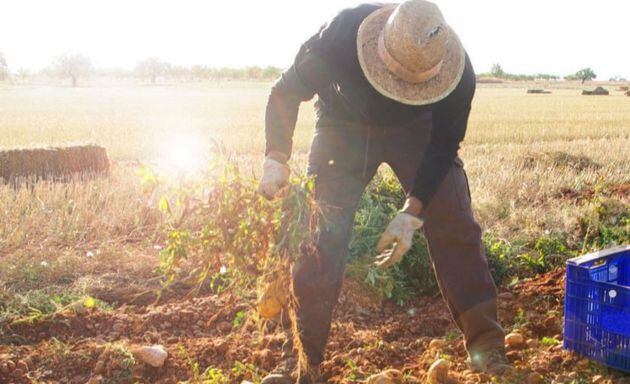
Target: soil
368 336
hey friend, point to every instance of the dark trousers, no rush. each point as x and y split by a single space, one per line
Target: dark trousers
343 159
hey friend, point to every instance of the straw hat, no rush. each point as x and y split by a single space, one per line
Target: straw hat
409 53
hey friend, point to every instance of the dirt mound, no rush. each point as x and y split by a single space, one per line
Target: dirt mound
558 159
219 337
588 193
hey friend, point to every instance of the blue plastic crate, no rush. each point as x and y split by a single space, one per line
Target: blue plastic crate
597 307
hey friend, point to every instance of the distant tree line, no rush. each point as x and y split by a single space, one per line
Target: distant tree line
152 69
583 75
497 72
75 67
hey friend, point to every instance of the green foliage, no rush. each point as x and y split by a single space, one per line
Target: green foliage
214 376
549 341
245 371
210 375
553 249
414 274
497 70
502 257
239 319
585 74
39 304
521 319
606 223
355 370
522 257
231 235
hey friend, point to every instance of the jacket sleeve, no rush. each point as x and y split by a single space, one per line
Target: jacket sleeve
309 73
450 120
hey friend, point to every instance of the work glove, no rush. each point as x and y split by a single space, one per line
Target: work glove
275 176
397 238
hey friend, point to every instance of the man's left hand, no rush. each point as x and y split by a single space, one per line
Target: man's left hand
397 239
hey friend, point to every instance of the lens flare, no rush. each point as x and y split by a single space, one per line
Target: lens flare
184 155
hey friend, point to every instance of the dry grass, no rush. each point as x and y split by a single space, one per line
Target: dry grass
521 151
137 122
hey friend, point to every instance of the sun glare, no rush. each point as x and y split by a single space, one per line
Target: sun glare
184 155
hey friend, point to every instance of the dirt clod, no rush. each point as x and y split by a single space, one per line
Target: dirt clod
535 378
224 327
361 343
438 372
155 355
437 344
391 376
532 343
515 341
264 359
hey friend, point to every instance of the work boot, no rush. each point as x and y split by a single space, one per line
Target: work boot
285 371
493 362
311 376
282 374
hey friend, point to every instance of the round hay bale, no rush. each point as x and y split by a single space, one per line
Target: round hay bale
538 92
599 91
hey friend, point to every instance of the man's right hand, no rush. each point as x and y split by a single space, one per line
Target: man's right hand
275 176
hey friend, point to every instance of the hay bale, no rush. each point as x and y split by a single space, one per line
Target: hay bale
599 91
538 92
53 164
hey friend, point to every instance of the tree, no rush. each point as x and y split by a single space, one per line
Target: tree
73 66
271 73
152 68
497 70
23 73
200 72
4 68
586 74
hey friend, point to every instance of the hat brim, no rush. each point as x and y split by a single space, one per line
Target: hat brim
393 87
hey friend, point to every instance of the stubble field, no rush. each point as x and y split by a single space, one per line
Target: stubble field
548 177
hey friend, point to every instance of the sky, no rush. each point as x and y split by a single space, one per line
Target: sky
534 36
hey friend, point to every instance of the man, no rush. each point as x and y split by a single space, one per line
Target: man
395 85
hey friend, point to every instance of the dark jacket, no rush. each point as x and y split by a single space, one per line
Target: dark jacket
327 65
